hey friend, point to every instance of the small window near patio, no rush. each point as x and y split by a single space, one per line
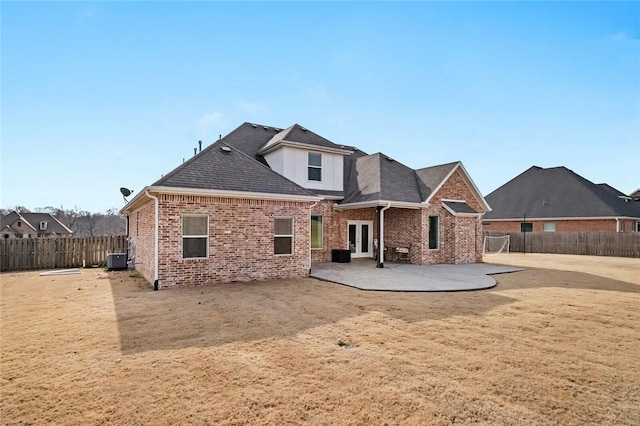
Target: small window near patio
315 166
316 232
195 236
283 236
549 227
434 232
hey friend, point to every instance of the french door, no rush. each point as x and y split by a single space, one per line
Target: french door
360 238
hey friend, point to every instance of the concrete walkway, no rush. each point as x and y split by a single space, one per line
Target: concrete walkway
363 274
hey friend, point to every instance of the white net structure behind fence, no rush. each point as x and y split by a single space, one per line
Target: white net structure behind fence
496 245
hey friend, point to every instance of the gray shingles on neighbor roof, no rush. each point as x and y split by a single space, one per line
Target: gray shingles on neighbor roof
34 219
554 193
232 170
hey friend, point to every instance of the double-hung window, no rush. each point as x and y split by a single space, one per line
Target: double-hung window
316 232
314 166
283 235
195 236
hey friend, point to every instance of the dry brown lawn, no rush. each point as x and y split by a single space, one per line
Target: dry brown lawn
545 346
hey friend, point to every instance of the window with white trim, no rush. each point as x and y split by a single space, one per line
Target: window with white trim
314 166
316 232
283 235
638 226
549 227
195 236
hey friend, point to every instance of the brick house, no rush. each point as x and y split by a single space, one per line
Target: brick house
264 202
558 200
32 225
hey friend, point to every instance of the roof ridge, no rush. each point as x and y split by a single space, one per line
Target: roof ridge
189 161
599 192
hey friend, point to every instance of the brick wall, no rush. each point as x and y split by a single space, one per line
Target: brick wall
600 225
460 237
241 235
142 233
335 227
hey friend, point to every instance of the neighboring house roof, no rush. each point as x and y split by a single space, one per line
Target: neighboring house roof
54 226
557 192
635 194
223 167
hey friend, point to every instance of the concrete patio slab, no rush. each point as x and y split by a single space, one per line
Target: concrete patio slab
364 275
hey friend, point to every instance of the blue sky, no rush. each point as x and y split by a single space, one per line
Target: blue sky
96 96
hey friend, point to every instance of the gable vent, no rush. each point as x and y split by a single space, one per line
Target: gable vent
43 225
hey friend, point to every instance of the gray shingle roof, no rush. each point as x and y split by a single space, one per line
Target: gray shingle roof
232 170
459 207
429 178
366 177
34 219
378 177
297 133
556 192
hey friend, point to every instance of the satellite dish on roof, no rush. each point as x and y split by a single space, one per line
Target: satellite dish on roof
125 193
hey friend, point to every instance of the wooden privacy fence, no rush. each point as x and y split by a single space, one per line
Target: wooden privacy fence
621 244
18 254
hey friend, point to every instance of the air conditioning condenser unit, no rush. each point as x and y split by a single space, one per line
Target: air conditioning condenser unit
116 261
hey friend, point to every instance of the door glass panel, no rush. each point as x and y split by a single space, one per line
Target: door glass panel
352 238
364 247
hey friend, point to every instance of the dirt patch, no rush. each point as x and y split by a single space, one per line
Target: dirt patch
543 347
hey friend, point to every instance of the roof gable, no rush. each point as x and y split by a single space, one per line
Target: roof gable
432 178
379 177
557 192
297 135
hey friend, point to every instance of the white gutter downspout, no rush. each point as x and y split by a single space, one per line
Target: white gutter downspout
380 263
617 224
157 233
315 203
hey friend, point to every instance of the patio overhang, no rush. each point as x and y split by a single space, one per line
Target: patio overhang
378 203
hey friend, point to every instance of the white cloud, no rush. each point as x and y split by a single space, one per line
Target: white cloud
251 107
624 35
316 93
205 124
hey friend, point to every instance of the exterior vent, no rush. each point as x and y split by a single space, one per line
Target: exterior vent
266 127
225 149
116 261
254 126
43 225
